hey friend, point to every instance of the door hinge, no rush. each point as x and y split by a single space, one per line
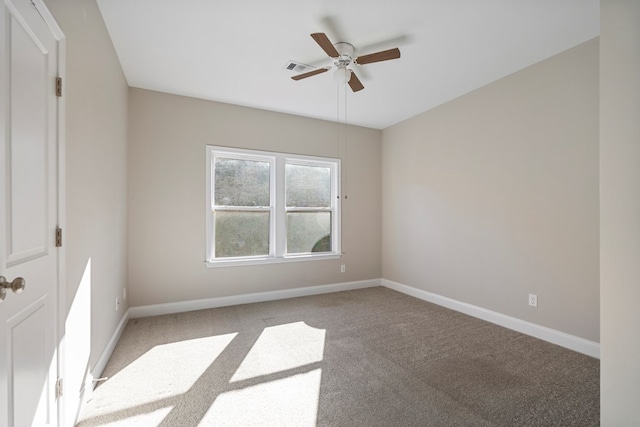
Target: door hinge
59 388
58 237
58 86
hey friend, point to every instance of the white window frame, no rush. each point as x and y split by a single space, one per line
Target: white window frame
277 208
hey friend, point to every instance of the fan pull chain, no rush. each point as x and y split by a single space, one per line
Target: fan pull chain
344 167
338 121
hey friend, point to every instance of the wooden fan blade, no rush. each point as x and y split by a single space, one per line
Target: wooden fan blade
325 44
310 73
355 82
384 55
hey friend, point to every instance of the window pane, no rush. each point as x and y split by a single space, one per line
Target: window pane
308 186
241 182
241 233
308 232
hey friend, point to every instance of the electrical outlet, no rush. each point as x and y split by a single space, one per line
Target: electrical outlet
343 268
117 304
533 300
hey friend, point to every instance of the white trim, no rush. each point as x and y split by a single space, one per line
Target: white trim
48 18
86 391
98 368
572 342
61 314
202 304
63 417
235 262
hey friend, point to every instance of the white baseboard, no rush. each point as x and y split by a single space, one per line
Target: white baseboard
203 304
86 389
581 345
572 342
97 370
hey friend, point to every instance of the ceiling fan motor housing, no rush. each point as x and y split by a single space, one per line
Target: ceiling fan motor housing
346 51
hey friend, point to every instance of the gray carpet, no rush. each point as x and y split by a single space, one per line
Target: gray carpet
370 357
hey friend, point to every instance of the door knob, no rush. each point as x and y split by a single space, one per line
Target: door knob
17 285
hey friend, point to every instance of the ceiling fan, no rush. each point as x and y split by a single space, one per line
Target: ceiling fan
342 56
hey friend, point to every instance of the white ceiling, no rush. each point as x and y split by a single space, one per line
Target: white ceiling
236 51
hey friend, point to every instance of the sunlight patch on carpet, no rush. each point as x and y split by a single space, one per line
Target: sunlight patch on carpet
291 401
164 371
280 348
154 418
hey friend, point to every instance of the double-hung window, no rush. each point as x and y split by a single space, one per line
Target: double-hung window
271 207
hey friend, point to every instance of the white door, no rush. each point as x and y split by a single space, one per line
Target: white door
28 217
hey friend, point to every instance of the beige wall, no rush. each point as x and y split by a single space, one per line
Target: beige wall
620 211
494 195
95 96
487 198
168 135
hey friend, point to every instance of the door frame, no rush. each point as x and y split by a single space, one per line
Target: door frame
59 36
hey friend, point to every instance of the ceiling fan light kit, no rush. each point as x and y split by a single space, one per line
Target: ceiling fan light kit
342 75
342 55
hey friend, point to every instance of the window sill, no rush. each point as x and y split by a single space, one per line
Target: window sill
259 261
